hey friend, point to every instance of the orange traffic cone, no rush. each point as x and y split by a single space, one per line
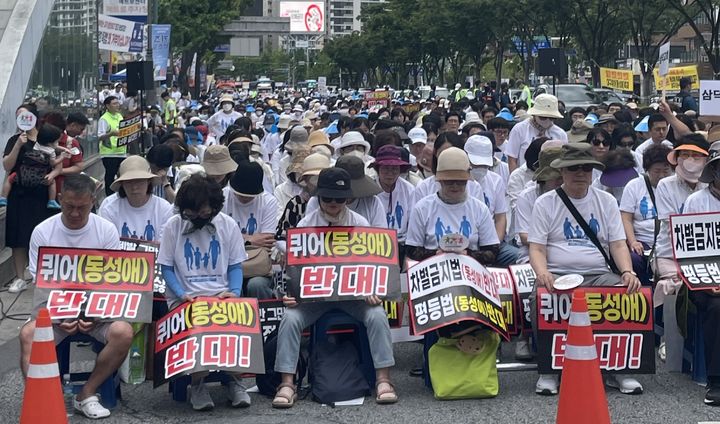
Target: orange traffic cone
43 400
582 393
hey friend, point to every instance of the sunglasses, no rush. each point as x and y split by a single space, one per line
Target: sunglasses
597 142
333 200
584 168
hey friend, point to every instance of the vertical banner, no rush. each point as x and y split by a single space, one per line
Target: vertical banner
696 249
95 284
209 334
191 71
622 326
160 50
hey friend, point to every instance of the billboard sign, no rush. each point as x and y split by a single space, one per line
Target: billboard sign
305 16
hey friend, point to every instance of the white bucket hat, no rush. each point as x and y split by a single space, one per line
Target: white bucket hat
546 105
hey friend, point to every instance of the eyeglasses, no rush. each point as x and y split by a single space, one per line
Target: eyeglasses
585 168
333 200
597 142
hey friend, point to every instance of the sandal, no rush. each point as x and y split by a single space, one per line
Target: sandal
382 398
289 401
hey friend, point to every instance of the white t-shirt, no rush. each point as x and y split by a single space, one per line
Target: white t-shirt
370 208
502 169
649 142
218 123
315 219
519 180
569 250
522 134
260 215
523 217
431 218
143 223
702 201
430 186
637 201
670 195
201 259
397 206
284 192
493 193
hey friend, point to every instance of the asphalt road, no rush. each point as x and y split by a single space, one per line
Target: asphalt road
668 398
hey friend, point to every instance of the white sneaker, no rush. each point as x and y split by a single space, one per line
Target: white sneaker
547 385
661 352
200 398
91 407
237 393
17 285
522 350
626 385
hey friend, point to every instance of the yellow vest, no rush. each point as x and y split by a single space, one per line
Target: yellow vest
113 120
170 114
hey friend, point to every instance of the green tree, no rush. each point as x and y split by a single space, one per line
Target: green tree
708 35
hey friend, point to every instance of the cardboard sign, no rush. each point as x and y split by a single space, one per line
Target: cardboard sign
524 278
508 297
696 248
342 263
616 79
449 288
622 325
129 130
710 98
209 334
671 82
26 121
97 284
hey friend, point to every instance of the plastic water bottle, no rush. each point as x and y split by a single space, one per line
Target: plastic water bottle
137 367
68 395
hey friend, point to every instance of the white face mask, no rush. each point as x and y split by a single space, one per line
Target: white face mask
258 112
690 169
478 174
356 153
227 107
544 123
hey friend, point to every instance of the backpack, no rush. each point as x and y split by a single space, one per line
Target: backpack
335 373
34 166
268 383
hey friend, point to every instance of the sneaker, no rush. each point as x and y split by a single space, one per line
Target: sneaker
661 351
712 396
522 350
200 398
547 385
626 385
53 204
3 201
91 407
237 393
17 285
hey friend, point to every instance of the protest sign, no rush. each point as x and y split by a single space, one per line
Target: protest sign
209 334
449 288
664 59
696 249
119 35
617 79
710 98
622 325
342 263
378 98
524 278
394 311
26 120
271 312
147 246
508 298
97 284
129 130
671 82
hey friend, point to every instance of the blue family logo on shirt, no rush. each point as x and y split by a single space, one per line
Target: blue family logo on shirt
251 225
645 210
148 234
575 235
195 259
393 220
487 201
441 229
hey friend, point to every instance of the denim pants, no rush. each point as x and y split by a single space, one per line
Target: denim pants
298 318
259 287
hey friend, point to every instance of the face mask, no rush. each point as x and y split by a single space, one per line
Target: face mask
545 123
268 128
690 169
478 174
258 112
203 117
356 153
200 222
227 107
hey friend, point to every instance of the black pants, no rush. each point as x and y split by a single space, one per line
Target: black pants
111 165
709 306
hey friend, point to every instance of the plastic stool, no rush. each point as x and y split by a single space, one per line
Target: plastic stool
179 386
109 390
338 318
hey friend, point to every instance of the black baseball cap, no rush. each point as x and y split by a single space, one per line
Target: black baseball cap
334 182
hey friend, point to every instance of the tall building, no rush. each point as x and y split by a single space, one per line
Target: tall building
342 16
78 16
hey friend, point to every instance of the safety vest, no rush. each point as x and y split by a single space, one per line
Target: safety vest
529 100
113 120
170 114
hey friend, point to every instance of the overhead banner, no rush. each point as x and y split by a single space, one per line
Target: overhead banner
616 79
342 263
696 249
305 16
96 284
125 7
672 81
119 35
710 98
209 334
448 288
129 130
378 99
508 298
160 50
524 279
622 325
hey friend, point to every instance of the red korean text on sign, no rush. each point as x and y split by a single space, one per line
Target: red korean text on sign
181 357
64 304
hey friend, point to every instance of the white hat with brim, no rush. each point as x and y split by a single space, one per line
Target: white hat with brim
546 106
134 168
217 160
354 138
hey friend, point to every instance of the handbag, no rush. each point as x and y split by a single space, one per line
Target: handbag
465 368
258 262
588 232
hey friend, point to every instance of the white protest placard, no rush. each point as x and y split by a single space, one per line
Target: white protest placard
710 97
115 34
26 120
664 59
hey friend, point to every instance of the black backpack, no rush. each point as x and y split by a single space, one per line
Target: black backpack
34 166
335 373
268 383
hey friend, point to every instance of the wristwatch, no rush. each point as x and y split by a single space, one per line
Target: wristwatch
629 271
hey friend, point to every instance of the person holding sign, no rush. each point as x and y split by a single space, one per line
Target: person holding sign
333 192
571 231
76 227
108 131
708 301
201 254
